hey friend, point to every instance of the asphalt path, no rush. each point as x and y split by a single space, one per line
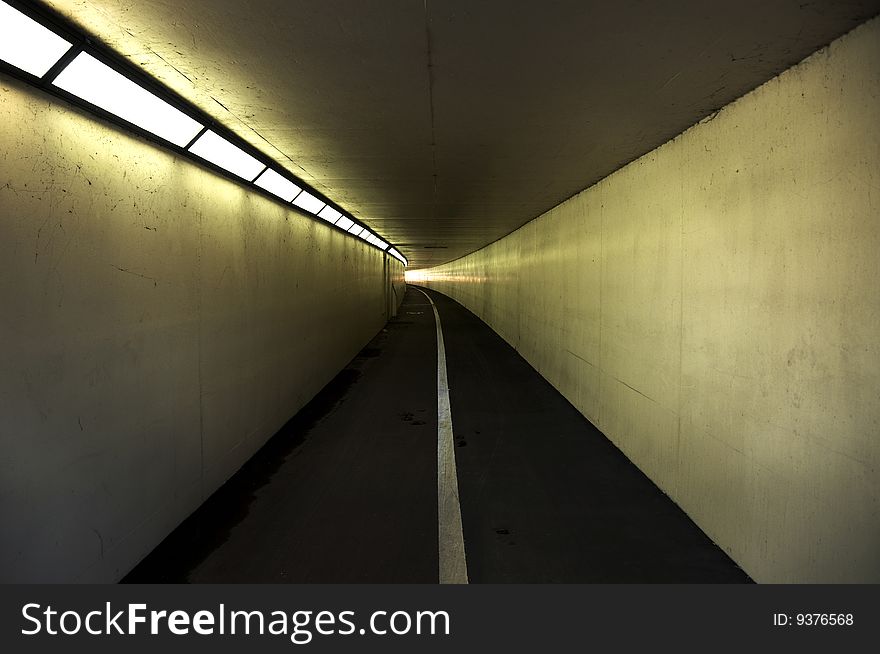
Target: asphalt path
348 490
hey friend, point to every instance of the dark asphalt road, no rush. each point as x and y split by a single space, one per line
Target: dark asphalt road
347 490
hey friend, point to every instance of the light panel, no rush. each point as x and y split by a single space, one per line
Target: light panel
309 202
329 214
26 44
345 223
105 83
97 83
277 185
220 152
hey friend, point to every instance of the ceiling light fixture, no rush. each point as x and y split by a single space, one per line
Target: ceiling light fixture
97 83
344 223
26 44
309 202
51 53
215 149
329 214
397 255
277 185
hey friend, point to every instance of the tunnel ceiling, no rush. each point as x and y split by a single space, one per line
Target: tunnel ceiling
446 124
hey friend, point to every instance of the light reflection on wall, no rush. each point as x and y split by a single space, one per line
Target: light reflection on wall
416 276
431 275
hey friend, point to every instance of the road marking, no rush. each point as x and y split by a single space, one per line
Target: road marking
453 566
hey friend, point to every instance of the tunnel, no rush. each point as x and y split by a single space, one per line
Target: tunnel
439 292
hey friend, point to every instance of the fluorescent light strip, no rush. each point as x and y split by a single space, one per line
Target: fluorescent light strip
277 185
97 83
26 44
329 214
220 152
344 223
29 46
397 255
309 202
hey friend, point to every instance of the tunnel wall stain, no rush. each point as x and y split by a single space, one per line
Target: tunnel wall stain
713 309
158 324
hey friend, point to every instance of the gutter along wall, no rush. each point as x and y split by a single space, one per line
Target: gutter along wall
713 308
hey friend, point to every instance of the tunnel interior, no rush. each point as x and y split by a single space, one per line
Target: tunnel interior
439 291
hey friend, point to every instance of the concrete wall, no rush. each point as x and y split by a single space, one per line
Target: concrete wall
158 323
396 284
713 309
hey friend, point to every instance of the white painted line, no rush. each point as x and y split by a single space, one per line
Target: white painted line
453 566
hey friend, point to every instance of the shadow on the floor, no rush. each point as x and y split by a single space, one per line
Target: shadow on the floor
209 526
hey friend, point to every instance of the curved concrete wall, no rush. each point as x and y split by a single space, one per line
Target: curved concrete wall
712 308
158 324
